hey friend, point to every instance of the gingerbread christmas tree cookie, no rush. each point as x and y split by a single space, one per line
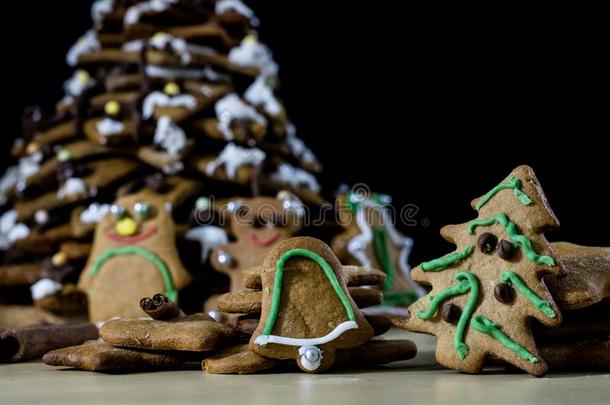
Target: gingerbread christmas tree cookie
486 292
307 312
134 255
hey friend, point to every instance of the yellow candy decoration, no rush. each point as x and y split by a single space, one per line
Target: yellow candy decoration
82 76
126 227
59 259
112 108
171 89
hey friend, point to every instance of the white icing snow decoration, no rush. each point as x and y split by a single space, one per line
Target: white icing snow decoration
237 6
134 13
8 181
72 187
253 53
209 237
44 288
233 157
28 166
260 94
295 177
100 9
94 213
230 108
180 47
10 230
160 72
297 146
159 99
41 217
170 136
86 44
78 83
109 127
133 46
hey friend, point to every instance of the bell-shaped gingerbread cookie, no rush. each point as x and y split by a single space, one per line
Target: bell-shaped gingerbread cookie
307 312
134 255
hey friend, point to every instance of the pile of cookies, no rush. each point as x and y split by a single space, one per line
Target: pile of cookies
297 309
174 99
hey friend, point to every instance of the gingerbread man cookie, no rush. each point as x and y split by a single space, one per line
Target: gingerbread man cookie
486 292
133 255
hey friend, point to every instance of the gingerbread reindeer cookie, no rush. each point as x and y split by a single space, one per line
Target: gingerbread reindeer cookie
486 292
134 255
307 312
258 225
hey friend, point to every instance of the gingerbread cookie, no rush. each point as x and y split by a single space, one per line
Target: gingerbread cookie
485 293
134 255
307 312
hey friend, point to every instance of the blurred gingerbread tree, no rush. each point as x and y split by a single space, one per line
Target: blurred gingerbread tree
178 96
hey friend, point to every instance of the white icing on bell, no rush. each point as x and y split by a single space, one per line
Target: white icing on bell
208 237
168 73
8 181
72 187
233 157
170 136
237 6
230 108
10 230
109 127
41 217
260 94
45 288
133 13
185 51
100 9
295 177
254 54
88 43
77 84
159 99
94 213
297 146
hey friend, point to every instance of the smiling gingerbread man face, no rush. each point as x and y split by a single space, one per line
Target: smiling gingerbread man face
134 255
258 225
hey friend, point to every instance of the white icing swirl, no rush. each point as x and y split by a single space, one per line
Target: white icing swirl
295 177
94 213
45 288
209 237
159 99
233 157
170 136
260 94
109 127
88 43
72 187
230 108
237 6
134 13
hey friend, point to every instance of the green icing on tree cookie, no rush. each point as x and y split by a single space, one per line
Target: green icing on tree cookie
486 326
443 262
513 183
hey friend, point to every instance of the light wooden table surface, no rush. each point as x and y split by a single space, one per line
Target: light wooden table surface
412 382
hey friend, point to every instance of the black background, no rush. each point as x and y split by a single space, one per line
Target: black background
434 106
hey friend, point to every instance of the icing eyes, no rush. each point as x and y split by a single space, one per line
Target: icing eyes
118 212
141 210
506 250
504 293
487 242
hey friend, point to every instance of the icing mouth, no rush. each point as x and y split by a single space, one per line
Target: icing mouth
131 240
264 241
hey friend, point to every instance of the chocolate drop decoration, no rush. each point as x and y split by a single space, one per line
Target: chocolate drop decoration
506 249
504 293
487 242
451 313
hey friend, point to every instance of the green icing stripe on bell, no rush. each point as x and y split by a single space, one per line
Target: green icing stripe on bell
486 326
540 304
515 236
513 183
443 262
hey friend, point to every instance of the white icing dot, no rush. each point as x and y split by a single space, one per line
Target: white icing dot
41 217
169 136
159 99
233 157
44 288
72 187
